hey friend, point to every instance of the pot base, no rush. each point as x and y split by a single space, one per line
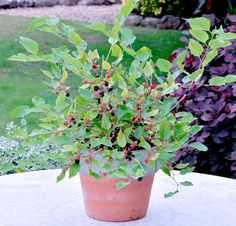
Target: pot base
105 203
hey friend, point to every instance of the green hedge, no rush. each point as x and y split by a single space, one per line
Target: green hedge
163 7
185 8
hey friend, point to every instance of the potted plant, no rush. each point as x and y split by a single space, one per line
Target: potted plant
117 127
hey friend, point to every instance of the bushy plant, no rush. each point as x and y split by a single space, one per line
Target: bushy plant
115 111
14 157
215 109
164 7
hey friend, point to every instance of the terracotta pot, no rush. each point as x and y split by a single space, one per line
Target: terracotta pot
104 202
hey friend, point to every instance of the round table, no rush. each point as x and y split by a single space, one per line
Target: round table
34 199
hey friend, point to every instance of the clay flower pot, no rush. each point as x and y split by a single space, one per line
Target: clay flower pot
104 202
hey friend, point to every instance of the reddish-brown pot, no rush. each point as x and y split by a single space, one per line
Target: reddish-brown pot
104 202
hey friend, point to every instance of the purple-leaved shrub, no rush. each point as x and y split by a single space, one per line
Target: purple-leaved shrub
215 109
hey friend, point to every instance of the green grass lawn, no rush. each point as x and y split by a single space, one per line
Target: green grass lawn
19 82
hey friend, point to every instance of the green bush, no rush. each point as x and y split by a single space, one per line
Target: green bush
185 8
163 7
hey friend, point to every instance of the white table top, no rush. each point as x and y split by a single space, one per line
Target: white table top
34 199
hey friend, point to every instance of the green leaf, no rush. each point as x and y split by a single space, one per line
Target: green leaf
170 89
170 194
98 141
164 65
121 82
200 35
30 45
116 27
122 184
128 50
143 54
219 43
6 167
180 58
95 142
186 183
93 174
139 132
165 132
74 38
25 58
37 132
195 47
61 176
106 65
209 57
38 101
153 113
199 23
230 78
196 75
148 69
121 140
60 101
20 112
93 54
195 129
127 36
145 144
102 28
217 81
106 124
116 51
185 116
74 170
199 146
36 23
166 170
165 156
186 170
172 147
61 140
88 95
97 27
227 36
127 8
105 141
181 165
48 74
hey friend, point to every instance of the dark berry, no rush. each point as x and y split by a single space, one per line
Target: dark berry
106 83
113 139
67 94
95 88
129 153
77 161
110 89
140 179
101 93
128 157
14 162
